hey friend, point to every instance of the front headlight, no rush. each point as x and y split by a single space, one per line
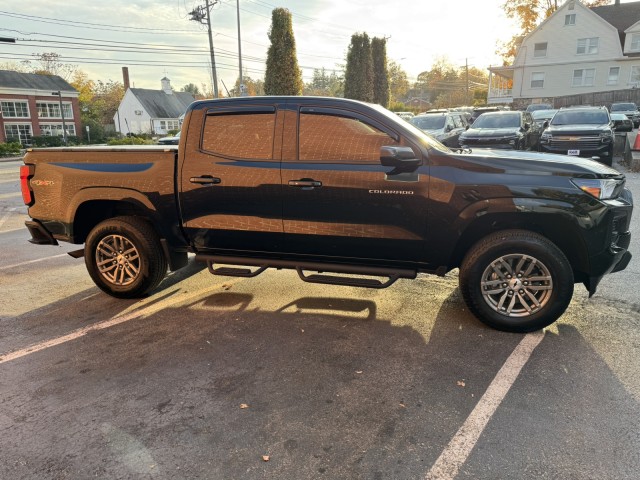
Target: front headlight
606 136
601 189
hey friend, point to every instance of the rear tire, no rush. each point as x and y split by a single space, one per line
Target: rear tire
124 257
516 281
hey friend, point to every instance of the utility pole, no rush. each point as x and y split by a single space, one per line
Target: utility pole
466 65
64 126
241 84
199 15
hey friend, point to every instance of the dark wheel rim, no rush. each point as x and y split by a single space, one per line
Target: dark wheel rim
118 260
516 285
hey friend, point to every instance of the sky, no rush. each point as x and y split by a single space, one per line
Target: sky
156 38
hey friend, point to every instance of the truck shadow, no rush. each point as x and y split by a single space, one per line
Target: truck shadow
214 385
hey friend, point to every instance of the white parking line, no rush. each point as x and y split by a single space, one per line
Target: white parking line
118 319
10 195
16 265
460 446
6 216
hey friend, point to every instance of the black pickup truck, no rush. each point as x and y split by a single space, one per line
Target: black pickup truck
340 191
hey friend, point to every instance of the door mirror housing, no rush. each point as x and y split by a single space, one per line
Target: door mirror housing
398 157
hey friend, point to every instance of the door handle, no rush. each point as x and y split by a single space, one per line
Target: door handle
205 180
305 183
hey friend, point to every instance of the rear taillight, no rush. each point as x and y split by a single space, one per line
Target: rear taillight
25 175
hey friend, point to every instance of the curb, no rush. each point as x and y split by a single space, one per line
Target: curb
10 159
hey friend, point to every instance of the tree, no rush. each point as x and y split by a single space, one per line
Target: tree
380 72
283 76
192 89
358 77
529 14
324 84
441 79
252 87
398 82
52 64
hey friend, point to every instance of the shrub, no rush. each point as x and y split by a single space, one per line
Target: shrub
130 141
54 141
10 149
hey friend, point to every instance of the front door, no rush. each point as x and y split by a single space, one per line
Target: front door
230 189
338 200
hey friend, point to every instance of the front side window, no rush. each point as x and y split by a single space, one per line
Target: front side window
15 109
240 135
614 75
587 46
537 80
584 77
335 139
18 133
540 50
635 75
635 42
570 19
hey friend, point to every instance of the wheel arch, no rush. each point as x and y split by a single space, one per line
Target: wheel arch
557 227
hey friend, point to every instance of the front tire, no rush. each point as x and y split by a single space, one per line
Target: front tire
124 257
516 281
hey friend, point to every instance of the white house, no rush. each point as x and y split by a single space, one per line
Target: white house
576 50
151 111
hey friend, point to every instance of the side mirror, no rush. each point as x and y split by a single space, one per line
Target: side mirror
527 126
398 157
448 128
545 124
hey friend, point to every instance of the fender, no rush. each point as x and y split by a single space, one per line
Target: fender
561 222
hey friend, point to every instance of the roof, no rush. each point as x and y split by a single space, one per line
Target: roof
159 104
621 16
11 79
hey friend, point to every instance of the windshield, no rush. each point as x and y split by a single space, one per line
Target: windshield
543 114
580 117
429 122
619 107
498 120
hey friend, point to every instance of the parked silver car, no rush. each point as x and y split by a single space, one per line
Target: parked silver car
445 127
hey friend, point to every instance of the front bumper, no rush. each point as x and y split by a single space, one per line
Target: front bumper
614 255
600 151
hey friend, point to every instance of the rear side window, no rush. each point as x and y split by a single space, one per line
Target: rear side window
240 135
334 139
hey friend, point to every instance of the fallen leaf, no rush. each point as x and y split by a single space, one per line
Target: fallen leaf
265 458
402 405
461 383
358 371
244 405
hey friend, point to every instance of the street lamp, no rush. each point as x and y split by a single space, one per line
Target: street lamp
64 126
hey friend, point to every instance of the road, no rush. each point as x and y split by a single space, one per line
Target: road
226 378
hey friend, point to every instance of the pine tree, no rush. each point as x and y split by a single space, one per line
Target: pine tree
283 76
380 72
359 72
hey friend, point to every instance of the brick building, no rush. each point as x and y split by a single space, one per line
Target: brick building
30 106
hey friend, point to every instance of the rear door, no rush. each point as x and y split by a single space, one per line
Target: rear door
230 187
338 200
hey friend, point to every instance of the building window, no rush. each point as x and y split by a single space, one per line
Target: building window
635 75
15 109
584 77
537 80
614 75
570 19
55 129
52 110
587 46
635 42
540 50
18 133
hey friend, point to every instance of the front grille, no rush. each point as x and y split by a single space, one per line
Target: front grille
582 142
485 141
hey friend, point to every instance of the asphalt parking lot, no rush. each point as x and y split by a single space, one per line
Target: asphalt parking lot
224 378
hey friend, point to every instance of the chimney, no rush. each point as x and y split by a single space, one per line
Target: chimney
125 78
166 86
